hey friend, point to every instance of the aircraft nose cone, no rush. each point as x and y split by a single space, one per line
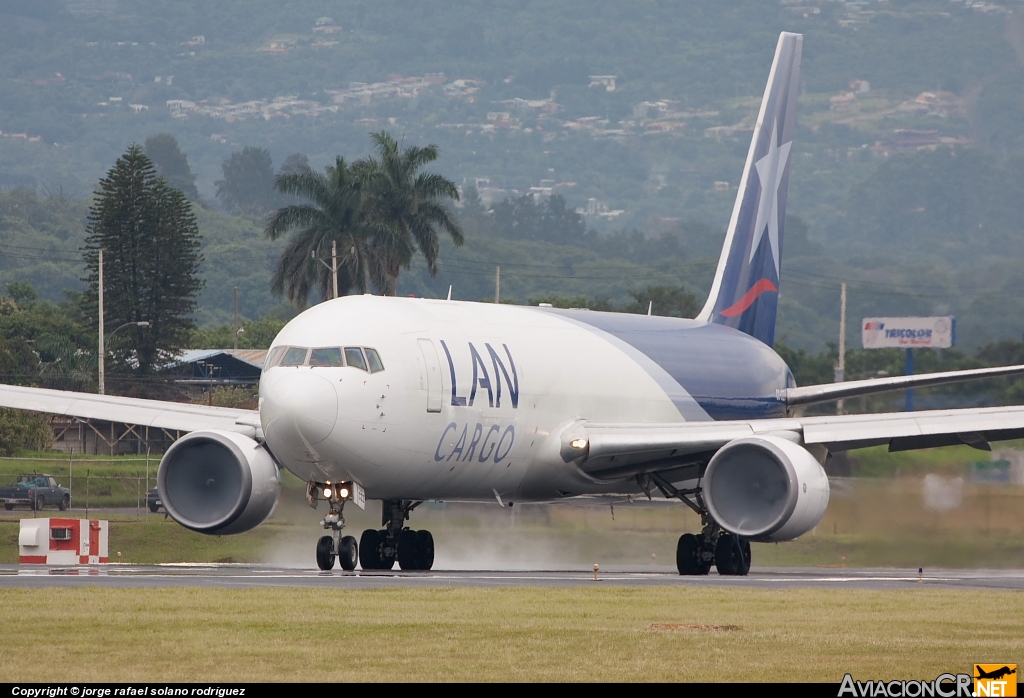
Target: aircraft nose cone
299 409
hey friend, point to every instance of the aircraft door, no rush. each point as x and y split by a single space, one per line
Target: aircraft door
433 368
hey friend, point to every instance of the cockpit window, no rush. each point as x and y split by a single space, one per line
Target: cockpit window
354 357
326 356
274 357
363 358
374 360
295 356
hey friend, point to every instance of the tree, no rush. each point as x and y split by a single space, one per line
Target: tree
672 301
150 241
517 218
405 207
258 334
171 163
248 184
24 430
295 163
551 220
41 343
560 223
21 292
474 216
333 214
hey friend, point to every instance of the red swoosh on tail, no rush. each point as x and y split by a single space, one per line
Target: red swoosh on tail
749 297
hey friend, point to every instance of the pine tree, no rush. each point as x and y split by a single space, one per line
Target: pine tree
150 242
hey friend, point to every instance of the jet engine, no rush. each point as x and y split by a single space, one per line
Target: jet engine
765 488
218 482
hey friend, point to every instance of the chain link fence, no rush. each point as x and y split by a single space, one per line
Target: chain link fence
95 484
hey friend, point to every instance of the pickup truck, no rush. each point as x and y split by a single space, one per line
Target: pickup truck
153 500
35 490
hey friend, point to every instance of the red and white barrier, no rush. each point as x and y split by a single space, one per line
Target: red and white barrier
63 541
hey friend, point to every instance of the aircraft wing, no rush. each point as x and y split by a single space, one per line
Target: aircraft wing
835 391
612 451
153 413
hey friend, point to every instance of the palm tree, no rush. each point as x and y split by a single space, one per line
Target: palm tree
333 214
405 207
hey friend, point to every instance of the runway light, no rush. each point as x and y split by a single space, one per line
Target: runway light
343 492
327 493
578 443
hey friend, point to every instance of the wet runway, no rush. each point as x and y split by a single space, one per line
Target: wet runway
247 576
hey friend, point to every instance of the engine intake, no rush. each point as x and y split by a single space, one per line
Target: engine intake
218 482
765 488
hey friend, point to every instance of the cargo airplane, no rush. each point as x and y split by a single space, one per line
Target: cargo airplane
406 400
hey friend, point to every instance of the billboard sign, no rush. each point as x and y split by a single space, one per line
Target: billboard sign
908 332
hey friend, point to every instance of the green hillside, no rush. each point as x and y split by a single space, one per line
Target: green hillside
906 168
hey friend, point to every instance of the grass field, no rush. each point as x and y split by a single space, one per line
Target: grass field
590 634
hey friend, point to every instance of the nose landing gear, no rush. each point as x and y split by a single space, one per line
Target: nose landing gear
336 546
414 550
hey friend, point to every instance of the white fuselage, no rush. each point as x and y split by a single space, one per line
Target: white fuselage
469 404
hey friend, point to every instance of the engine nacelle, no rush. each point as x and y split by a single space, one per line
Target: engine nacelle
765 488
218 482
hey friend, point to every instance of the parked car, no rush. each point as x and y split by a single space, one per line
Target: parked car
35 490
153 500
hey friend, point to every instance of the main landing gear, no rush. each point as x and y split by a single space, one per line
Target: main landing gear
695 554
414 550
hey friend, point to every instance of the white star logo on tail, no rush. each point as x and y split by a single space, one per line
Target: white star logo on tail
769 172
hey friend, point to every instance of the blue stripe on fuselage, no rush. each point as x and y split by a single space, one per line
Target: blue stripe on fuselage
728 373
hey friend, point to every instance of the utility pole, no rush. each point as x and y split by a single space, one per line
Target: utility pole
909 370
234 327
101 347
497 284
334 266
841 368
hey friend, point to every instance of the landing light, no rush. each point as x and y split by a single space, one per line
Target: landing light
327 493
343 492
578 443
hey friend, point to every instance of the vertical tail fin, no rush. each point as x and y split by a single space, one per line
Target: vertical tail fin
745 292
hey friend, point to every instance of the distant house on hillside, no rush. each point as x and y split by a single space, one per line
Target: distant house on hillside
843 101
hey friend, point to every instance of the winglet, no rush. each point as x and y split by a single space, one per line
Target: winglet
745 291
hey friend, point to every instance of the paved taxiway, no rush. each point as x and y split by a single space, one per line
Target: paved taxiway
241 576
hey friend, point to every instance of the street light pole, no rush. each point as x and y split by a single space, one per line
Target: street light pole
102 349
144 323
